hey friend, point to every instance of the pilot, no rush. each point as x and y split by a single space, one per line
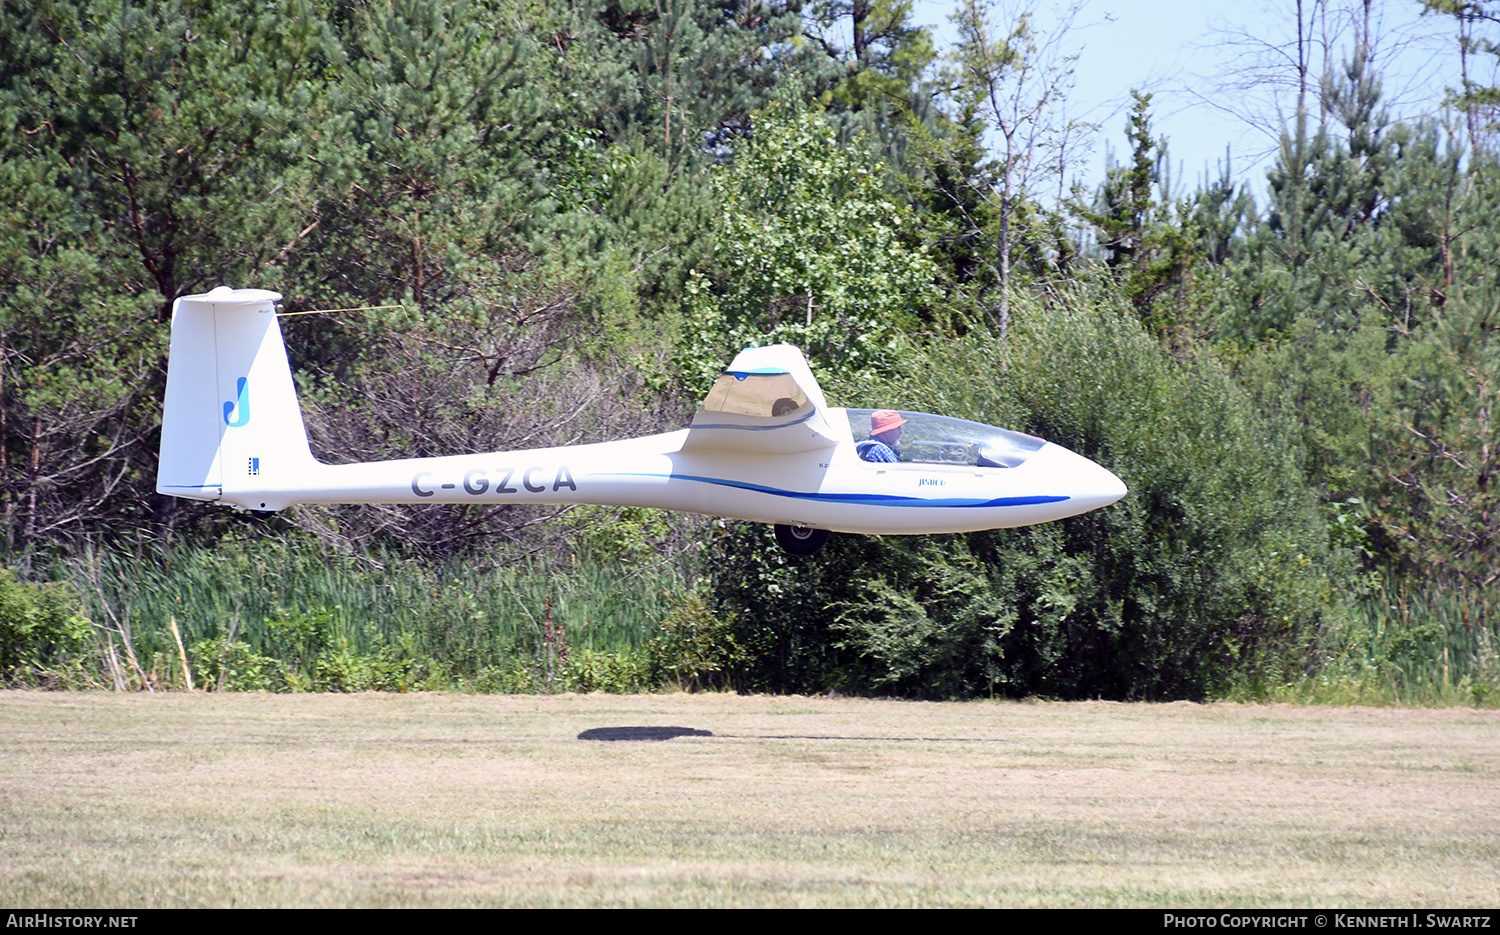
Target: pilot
885 431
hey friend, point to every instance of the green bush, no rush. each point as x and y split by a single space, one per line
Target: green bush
394 667
617 673
695 648
42 627
1213 573
231 665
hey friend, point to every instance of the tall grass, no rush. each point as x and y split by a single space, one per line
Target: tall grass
283 613
1404 645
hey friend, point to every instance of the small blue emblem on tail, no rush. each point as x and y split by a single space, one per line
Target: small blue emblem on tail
241 388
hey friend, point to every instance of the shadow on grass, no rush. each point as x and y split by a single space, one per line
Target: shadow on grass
641 733
667 733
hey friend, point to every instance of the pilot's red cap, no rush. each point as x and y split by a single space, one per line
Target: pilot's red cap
883 420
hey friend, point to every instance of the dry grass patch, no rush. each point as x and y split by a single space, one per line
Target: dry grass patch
440 800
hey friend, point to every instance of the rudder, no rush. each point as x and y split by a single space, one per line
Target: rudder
231 427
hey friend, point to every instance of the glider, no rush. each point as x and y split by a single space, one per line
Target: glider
764 446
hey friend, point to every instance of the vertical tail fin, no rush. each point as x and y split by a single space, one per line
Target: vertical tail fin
231 427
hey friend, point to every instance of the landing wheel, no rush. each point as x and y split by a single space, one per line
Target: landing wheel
800 540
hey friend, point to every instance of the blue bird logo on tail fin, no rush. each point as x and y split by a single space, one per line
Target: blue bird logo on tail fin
242 389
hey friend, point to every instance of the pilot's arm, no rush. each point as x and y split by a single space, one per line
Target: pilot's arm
879 452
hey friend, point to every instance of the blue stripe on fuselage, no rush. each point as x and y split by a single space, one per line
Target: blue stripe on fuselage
870 499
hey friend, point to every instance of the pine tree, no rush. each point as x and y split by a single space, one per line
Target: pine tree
145 153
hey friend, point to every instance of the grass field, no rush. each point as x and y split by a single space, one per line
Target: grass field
130 800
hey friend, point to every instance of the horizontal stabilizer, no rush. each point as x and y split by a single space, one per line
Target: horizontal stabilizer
768 402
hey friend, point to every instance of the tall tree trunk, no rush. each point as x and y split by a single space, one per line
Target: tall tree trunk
1002 318
36 467
859 12
5 492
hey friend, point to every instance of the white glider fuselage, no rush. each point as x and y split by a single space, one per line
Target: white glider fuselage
831 490
232 433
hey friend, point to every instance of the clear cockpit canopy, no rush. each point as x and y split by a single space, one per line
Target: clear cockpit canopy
930 439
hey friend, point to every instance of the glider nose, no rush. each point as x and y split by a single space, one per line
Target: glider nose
1111 488
1100 487
1088 485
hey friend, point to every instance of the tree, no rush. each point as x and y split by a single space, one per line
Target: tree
886 55
656 93
1153 243
368 154
811 250
949 183
1126 199
683 75
1440 454
454 168
1370 334
174 128
1014 79
145 153
1479 99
